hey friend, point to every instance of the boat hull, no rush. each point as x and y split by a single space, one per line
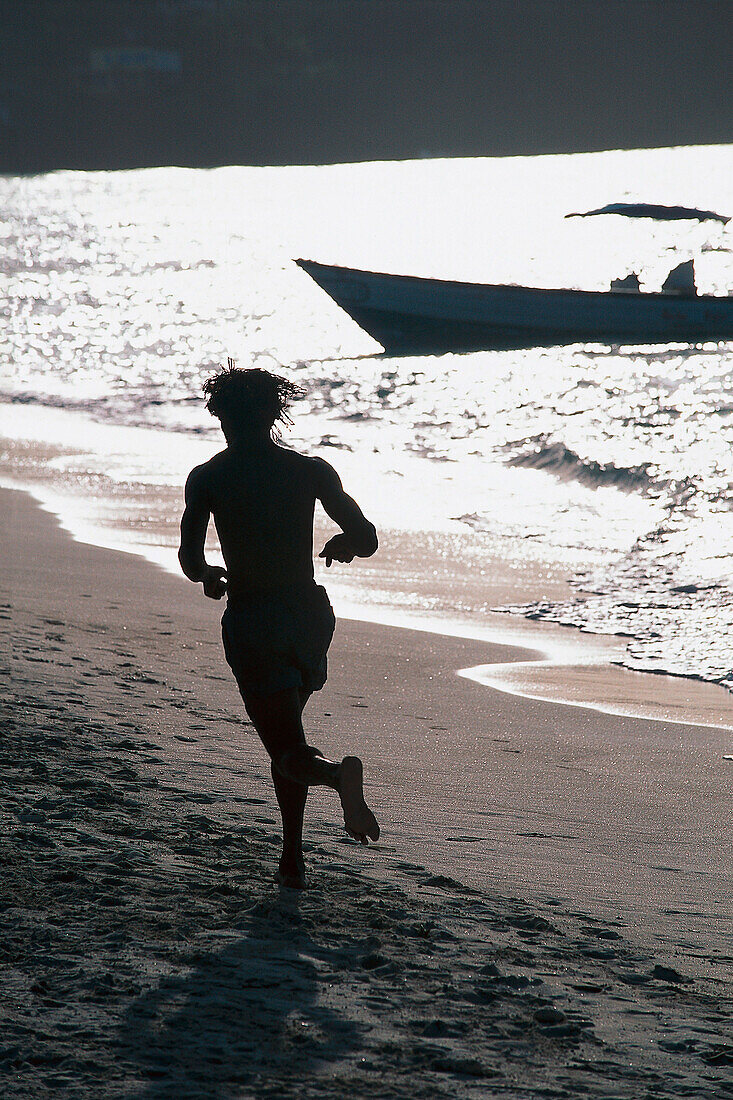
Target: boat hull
408 314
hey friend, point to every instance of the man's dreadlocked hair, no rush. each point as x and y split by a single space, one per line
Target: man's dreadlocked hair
247 396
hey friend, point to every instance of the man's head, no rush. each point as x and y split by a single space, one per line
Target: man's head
249 402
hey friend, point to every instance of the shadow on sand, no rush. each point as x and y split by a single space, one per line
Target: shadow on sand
247 1009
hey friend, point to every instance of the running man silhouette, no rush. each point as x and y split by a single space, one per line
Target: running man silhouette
278 622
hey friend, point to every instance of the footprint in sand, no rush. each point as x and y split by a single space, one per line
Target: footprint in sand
718 1056
410 868
601 933
443 882
669 974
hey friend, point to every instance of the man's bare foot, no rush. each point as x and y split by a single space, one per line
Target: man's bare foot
359 821
291 874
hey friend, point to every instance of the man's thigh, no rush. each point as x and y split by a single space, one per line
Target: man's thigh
276 717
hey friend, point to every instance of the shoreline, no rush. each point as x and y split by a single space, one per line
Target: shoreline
591 743
568 666
542 917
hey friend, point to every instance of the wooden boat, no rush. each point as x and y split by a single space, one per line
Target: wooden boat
408 314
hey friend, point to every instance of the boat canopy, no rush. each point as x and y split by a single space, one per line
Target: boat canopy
629 282
653 210
681 279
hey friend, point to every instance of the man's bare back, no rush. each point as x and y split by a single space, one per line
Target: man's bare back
278 623
262 498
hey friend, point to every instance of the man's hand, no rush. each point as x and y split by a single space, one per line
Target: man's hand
338 548
215 582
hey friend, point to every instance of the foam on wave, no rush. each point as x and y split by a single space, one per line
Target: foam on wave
560 461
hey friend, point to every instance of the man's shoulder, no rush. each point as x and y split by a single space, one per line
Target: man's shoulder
201 475
310 465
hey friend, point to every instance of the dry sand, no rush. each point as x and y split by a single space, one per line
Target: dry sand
548 914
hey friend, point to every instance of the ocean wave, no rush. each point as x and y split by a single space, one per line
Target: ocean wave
134 410
672 628
560 461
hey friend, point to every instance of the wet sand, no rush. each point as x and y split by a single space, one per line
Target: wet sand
547 913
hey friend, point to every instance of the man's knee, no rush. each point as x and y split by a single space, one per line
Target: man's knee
296 763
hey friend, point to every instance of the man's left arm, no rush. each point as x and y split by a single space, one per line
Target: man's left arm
359 538
194 524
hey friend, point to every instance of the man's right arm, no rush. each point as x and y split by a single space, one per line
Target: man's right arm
194 523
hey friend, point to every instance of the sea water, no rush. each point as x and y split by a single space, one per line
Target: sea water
122 291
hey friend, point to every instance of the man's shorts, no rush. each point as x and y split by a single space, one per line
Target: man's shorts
279 640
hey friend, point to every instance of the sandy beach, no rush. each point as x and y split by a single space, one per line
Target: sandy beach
546 915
